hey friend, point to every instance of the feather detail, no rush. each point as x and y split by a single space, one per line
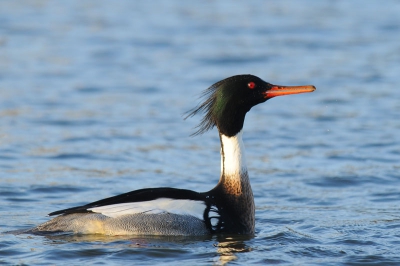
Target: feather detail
207 122
193 208
211 103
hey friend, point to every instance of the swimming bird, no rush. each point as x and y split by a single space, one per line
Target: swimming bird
228 208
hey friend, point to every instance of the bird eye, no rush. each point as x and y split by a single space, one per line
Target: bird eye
251 85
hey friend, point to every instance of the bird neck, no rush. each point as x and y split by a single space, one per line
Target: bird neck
234 175
234 184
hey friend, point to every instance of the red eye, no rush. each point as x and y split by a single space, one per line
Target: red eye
251 85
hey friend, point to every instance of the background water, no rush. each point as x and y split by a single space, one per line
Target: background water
92 95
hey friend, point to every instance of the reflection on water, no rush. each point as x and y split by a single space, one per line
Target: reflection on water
224 248
136 241
228 247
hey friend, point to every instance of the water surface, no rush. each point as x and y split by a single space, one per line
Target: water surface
92 96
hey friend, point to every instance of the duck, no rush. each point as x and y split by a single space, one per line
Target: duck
228 208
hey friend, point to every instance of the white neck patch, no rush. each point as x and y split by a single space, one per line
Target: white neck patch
233 161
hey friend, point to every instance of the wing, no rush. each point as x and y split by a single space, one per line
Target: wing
150 200
193 208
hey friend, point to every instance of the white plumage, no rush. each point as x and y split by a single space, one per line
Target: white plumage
233 161
162 205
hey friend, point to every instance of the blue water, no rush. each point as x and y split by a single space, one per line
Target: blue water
92 96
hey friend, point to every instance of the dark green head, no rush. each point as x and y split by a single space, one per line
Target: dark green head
228 101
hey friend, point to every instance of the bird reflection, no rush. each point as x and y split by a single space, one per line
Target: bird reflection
229 246
222 249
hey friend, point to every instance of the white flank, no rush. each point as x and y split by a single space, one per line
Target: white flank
233 161
183 207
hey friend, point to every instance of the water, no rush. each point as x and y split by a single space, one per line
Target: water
92 95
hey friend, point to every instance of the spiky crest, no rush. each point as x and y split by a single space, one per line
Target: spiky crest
210 105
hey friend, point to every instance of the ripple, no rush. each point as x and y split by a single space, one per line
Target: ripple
83 156
318 252
66 123
89 90
11 191
7 158
56 189
370 260
63 156
233 60
337 181
292 237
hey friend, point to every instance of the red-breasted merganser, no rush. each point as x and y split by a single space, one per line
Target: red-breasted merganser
227 208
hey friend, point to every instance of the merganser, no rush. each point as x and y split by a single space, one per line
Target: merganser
228 208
